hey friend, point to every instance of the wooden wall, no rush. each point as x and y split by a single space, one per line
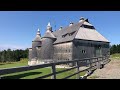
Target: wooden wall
89 46
63 51
77 49
30 54
34 51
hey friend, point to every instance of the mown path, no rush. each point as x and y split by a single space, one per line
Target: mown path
110 71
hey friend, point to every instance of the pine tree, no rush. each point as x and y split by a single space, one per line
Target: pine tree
13 55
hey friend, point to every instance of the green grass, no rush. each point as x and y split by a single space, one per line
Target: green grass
115 56
94 77
33 73
14 64
65 74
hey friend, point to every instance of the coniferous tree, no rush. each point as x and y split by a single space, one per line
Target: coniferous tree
13 55
119 48
115 49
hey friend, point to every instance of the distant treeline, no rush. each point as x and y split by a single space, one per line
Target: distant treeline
13 55
115 49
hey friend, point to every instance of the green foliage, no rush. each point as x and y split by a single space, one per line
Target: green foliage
115 49
15 55
94 77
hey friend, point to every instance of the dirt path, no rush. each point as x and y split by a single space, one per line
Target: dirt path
110 71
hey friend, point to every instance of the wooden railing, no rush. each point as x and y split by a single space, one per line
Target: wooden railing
91 64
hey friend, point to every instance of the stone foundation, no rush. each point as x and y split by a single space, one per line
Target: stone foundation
35 62
63 66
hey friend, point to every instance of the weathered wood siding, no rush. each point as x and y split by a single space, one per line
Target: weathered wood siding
47 49
77 49
34 51
63 51
105 49
86 49
38 53
30 54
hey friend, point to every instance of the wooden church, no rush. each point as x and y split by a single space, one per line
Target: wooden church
76 41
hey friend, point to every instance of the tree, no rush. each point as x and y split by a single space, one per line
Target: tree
13 55
118 48
115 49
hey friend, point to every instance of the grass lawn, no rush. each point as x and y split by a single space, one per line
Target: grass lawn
115 56
33 73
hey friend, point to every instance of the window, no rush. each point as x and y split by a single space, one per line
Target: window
64 35
106 45
91 45
87 26
83 51
70 34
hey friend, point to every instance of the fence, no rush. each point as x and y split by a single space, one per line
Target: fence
91 64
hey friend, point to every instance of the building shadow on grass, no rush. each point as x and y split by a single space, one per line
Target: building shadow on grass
19 76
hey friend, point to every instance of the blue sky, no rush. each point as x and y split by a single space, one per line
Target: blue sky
18 28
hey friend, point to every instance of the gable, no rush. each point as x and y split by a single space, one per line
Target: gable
89 34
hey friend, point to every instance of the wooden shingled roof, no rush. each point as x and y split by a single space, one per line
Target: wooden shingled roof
75 31
38 36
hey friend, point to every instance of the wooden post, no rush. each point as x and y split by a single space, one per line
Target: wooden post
98 63
97 59
53 70
103 59
90 64
77 70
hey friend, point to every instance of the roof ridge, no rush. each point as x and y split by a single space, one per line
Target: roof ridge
69 26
